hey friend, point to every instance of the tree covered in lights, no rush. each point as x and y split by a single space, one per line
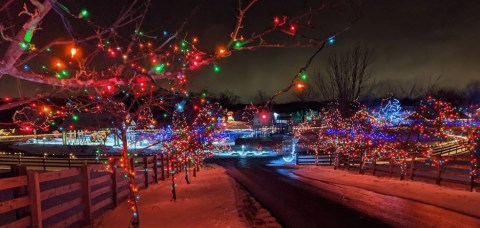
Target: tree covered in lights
334 129
123 67
432 117
390 111
426 127
195 137
249 113
207 127
309 137
363 136
371 136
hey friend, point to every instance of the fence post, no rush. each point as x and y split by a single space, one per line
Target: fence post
19 170
145 167
362 163
374 163
168 166
348 162
337 161
155 169
85 170
439 171
44 164
163 166
412 167
391 166
35 199
114 184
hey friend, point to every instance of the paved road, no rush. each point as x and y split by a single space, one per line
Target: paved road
291 202
301 202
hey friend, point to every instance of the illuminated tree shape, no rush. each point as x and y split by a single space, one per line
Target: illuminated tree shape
433 116
249 113
391 111
208 125
31 119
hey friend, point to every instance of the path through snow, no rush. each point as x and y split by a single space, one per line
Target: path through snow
213 199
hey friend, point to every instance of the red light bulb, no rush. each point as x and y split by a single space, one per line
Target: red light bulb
276 21
293 28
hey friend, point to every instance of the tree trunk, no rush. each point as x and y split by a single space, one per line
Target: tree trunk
186 173
131 177
337 160
362 164
195 165
174 193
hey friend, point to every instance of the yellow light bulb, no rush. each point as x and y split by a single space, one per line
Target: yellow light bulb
73 52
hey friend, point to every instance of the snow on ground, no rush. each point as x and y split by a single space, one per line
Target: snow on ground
213 199
461 201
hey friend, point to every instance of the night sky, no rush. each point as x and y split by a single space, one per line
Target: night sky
412 39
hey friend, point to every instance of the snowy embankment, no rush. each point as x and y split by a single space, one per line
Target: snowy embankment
213 199
460 201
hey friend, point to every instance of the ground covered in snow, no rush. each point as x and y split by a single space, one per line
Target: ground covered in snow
402 203
213 199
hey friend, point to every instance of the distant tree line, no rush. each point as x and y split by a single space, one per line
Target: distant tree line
348 79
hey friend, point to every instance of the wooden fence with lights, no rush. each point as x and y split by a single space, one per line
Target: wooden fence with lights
75 196
438 169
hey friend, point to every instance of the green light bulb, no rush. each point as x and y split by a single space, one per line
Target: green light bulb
238 44
28 35
216 68
83 13
159 68
303 76
23 45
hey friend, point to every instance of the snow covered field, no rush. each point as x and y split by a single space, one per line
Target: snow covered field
212 199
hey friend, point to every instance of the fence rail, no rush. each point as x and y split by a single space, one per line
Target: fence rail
75 196
309 159
48 162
